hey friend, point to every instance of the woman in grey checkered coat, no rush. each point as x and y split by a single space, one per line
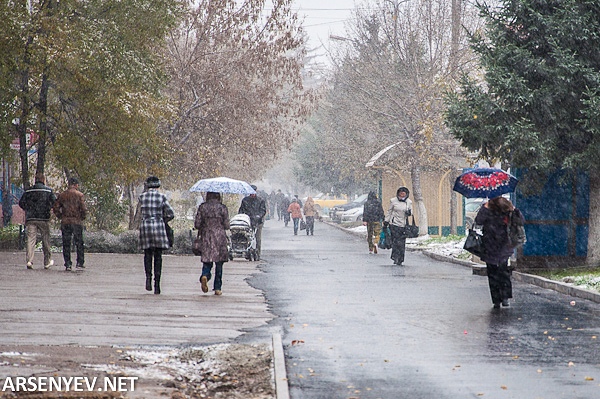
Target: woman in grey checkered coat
155 211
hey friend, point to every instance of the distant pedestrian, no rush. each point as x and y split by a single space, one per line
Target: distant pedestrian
71 210
155 211
494 217
400 209
278 201
271 204
37 202
283 206
373 215
310 213
212 222
256 208
298 200
296 212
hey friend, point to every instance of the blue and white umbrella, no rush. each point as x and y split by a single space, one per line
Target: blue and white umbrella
223 185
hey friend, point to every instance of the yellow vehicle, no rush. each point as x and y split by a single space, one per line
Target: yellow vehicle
323 202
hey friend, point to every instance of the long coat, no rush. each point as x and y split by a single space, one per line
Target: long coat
495 235
212 220
155 211
309 208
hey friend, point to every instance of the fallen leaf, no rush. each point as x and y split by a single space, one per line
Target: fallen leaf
504 387
593 337
515 357
539 371
297 342
589 378
480 394
571 364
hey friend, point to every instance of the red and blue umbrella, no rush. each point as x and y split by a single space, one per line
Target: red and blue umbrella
485 183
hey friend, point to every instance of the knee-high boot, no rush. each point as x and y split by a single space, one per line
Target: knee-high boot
157 272
148 268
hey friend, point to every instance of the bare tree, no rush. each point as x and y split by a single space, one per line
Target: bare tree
237 87
391 72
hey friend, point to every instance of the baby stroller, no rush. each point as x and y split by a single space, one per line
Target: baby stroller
243 241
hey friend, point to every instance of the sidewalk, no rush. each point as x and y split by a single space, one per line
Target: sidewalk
90 322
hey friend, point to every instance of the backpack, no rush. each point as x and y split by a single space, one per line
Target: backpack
516 229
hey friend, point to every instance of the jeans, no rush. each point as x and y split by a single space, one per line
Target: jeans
310 225
206 271
72 232
296 223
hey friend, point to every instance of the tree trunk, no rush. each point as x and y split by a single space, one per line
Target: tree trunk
43 132
415 175
593 251
453 204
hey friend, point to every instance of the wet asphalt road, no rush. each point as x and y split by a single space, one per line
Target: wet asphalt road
355 326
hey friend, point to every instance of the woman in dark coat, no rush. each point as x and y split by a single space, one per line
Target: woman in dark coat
153 211
212 221
373 215
494 217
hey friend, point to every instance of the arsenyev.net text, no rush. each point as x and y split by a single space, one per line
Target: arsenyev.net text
69 384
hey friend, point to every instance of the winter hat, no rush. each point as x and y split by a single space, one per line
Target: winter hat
153 182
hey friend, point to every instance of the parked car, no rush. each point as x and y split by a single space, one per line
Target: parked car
335 213
472 206
353 214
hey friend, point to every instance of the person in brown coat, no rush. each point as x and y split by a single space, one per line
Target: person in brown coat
212 222
71 210
310 212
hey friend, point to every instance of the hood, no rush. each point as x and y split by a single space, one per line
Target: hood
401 189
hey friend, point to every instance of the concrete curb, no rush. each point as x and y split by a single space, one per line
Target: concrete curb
281 381
521 277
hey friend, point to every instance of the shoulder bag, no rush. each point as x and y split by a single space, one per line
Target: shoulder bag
196 245
474 243
412 230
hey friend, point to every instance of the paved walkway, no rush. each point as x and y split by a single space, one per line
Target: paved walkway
106 304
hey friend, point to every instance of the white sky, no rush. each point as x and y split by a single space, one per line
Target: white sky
323 18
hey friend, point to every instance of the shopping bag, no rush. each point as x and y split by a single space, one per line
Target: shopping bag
302 224
474 243
385 238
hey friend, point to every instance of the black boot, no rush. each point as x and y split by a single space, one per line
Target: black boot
148 268
157 273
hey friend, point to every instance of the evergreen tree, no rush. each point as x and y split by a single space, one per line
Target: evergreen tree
537 105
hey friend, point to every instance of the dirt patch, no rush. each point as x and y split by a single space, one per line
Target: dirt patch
224 371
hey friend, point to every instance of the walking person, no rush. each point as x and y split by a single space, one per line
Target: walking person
278 201
70 209
37 201
212 222
283 206
256 208
373 215
400 209
310 213
296 213
155 211
494 216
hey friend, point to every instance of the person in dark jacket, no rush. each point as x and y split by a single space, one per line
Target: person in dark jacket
284 205
494 216
71 210
256 208
373 215
212 222
37 201
155 211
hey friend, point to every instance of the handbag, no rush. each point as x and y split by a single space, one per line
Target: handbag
412 230
170 234
196 245
474 243
302 224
